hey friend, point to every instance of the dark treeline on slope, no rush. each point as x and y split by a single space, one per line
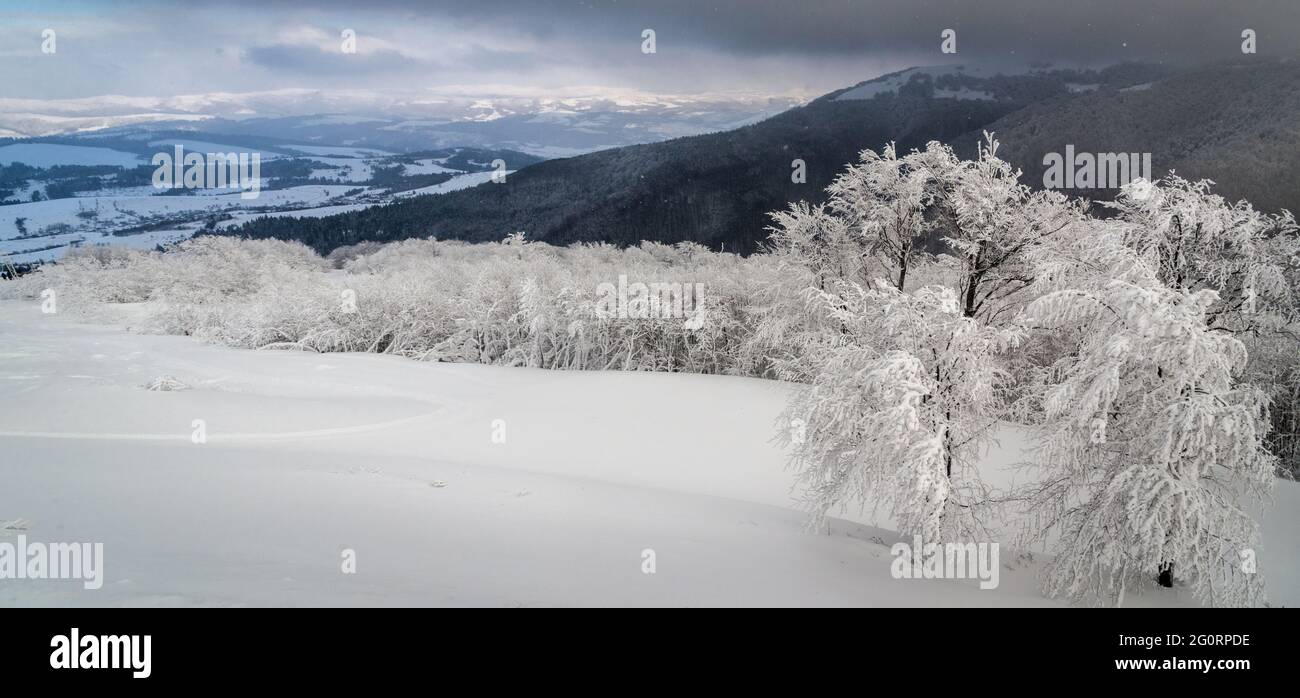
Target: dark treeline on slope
718 189
1237 124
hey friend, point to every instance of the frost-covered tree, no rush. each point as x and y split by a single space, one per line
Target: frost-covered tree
827 245
1197 240
947 358
1152 446
883 199
896 414
995 225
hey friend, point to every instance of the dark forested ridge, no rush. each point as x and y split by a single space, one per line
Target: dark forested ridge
717 189
1237 124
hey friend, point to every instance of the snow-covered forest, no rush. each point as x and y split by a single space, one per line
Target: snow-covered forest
1149 346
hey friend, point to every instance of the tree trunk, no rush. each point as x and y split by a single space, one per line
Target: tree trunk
973 283
902 265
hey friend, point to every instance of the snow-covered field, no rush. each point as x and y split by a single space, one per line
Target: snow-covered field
310 455
469 179
116 212
427 166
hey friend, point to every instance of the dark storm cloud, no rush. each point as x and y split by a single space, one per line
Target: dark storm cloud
1088 31
806 47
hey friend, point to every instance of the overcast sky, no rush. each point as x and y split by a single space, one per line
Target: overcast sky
156 48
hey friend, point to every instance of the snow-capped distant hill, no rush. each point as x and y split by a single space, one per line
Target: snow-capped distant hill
892 83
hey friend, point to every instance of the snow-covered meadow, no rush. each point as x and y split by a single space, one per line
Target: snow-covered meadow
1108 399
308 455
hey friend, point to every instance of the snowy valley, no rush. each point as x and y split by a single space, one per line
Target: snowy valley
302 181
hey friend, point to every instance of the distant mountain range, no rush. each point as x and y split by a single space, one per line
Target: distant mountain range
545 126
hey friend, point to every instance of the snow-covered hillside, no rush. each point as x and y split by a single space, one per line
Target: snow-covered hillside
311 455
